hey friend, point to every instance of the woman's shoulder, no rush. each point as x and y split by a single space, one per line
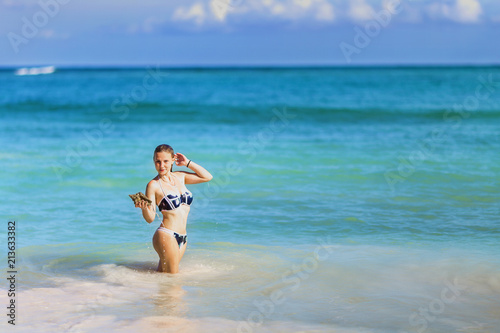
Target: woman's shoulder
153 182
179 174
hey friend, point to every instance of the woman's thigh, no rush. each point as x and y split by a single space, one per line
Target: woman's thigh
183 249
168 250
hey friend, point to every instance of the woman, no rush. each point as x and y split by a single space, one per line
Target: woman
170 194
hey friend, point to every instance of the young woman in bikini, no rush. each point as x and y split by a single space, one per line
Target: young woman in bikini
168 190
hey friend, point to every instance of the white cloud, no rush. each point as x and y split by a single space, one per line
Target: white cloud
435 10
227 14
194 13
467 10
296 10
278 9
291 10
325 11
409 14
360 11
303 3
220 9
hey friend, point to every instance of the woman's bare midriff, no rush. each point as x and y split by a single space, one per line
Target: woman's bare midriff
176 220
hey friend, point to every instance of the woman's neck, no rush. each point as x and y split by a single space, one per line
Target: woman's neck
168 177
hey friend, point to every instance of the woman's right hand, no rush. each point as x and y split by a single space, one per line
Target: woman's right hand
142 204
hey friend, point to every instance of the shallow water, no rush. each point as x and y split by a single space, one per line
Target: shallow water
343 200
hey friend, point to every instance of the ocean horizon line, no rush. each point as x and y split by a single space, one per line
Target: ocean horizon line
247 67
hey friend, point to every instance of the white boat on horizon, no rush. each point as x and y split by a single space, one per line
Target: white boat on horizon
36 70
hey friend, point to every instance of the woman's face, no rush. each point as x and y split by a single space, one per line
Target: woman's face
163 162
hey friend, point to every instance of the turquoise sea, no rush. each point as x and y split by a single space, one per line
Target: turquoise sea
343 199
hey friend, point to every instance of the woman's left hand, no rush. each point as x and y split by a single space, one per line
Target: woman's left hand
181 160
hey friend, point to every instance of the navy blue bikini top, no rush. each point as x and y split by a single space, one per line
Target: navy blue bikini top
174 201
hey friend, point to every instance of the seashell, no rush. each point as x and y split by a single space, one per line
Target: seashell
138 197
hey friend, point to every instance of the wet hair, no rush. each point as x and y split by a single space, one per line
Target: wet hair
164 148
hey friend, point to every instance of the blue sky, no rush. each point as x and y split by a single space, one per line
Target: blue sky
248 32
